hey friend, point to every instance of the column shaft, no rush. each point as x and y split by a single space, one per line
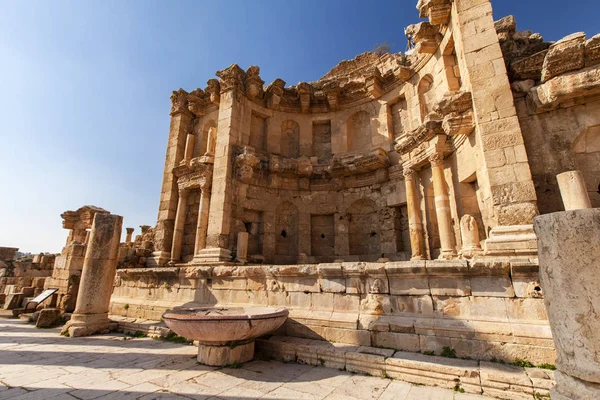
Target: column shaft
442 207
189 147
202 226
414 219
179 226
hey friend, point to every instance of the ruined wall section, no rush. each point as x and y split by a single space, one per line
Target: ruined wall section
556 90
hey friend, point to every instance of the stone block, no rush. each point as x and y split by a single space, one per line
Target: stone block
48 318
398 341
565 55
448 278
368 360
407 278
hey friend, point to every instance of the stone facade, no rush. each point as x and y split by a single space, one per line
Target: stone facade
385 154
389 203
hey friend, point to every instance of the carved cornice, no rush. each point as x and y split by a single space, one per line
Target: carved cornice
352 164
213 88
197 174
232 78
373 83
426 36
254 84
274 93
179 102
305 91
423 133
438 11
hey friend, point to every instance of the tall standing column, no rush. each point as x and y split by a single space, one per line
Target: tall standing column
414 219
442 207
202 226
179 226
97 277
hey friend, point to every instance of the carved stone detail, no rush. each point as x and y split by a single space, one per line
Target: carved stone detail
436 159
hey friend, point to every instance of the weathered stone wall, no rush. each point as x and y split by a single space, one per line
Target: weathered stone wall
484 309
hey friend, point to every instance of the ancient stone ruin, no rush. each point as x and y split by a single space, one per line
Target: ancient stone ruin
389 206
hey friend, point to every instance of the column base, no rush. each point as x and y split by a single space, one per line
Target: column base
87 324
213 255
512 240
221 355
158 259
470 252
448 255
569 388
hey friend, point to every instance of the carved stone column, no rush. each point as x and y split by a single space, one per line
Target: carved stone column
97 277
442 207
128 237
203 213
414 218
179 225
189 147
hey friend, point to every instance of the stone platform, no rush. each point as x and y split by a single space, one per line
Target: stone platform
40 364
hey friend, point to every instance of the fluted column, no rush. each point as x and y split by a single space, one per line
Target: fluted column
414 219
179 225
202 226
189 147
442 207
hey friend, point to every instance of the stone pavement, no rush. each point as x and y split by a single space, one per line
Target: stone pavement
40 364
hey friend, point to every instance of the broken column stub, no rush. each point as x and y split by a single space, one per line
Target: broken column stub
569 250
99 269
573 190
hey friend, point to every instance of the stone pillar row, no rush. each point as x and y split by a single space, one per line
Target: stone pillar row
442 208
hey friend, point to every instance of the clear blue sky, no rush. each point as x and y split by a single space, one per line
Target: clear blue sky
85 85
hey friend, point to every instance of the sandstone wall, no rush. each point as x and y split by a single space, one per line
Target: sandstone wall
484 309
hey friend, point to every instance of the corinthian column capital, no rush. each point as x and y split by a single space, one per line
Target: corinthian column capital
436 159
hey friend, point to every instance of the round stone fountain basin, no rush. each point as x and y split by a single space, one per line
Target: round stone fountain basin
225 334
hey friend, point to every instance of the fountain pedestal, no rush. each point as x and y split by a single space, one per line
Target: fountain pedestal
225 334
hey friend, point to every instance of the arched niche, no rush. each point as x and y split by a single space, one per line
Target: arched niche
358 130
425 90
290 139
364 229
286 233
208 138
586 152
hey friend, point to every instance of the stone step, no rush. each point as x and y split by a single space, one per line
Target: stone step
148 327
492 379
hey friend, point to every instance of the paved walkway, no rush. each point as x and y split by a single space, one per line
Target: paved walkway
40 364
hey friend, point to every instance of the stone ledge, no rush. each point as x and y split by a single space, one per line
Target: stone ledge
498 380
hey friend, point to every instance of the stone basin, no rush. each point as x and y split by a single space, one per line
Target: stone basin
225 334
